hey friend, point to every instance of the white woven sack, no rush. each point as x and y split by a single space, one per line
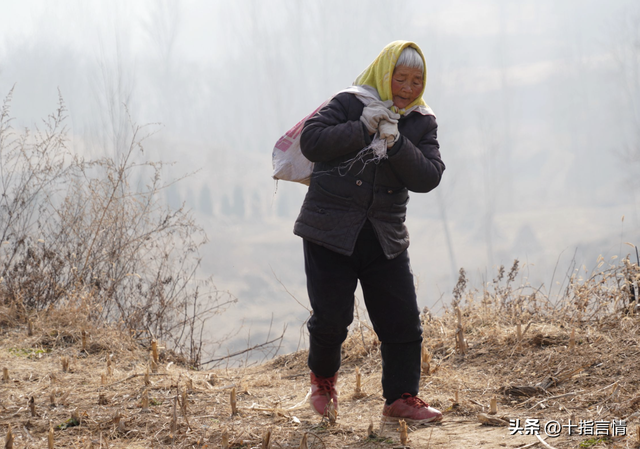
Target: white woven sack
289 164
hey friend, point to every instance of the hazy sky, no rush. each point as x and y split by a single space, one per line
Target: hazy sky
537 104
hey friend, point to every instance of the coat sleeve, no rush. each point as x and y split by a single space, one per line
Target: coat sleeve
330 134
419 167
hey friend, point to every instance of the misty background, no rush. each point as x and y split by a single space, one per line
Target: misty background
538 106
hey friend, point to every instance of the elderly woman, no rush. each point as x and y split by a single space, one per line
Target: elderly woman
352 223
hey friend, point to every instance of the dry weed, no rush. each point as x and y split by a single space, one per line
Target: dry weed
76 236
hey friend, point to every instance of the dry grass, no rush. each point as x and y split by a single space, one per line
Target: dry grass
97 235
88 332
110 398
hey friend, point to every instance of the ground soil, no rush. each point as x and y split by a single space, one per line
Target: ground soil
104 398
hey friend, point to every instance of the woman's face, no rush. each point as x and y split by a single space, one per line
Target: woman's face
406 85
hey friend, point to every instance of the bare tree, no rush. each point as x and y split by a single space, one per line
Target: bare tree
489 141
113 88
75 233
626 53
162 27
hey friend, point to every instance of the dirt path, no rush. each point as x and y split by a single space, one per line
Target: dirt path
459 433
102 398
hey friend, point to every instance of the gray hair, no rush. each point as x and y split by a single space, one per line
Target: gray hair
410 58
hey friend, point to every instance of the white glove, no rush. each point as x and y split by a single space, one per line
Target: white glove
389 131
376 111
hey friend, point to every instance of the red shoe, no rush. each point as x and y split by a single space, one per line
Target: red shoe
323 389
412 409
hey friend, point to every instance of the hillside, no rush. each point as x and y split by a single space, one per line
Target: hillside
577 366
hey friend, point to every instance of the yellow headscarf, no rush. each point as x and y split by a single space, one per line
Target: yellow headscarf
378 74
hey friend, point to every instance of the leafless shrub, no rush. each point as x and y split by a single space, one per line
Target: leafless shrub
458 290
590 296
76 232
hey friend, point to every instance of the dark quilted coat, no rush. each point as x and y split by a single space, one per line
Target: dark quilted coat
340 201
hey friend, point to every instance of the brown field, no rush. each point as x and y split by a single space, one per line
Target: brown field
576 359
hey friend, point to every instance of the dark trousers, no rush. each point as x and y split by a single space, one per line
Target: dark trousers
390 297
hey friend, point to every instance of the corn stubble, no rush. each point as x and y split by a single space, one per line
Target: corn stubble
571 349
404 434
233 402
358 391
154 356
100 224
9 439
185 401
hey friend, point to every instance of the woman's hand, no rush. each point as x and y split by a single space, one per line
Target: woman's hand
388 131
376 111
